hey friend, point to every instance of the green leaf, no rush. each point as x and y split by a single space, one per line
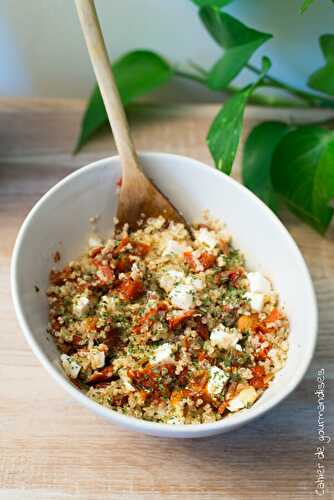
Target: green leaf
224 134
306 4
212 3
239 42
136 74
323 78
303 174
257 157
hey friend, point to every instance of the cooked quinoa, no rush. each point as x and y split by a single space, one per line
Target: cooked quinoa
167 329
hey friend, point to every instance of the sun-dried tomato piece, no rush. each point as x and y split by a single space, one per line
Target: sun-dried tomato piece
222 407
120 247
95 251
55 325
176 321
202 330
60 277
199 380
275 315
141 249
263 354
186 343
131 289
90 324
177 396
234 276
77 340
207 260
183 376
108 273
112 338
189 260
150 316
258 378
260 327
123 263
151 380
101 375
201 356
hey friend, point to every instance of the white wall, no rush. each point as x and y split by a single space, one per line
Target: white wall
42 52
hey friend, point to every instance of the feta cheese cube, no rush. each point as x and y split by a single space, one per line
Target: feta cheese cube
207 237
174 248
97 359
217 380
182 296
258 283
221 261
169 278
245 397
71 367
196 283
256 300
80 305
163 354
224 338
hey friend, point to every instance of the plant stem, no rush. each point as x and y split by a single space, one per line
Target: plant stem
190 76
255 99
311 99
198 68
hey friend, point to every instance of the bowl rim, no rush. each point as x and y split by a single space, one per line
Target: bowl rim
164 429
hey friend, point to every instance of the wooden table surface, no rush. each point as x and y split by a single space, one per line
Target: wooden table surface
52 448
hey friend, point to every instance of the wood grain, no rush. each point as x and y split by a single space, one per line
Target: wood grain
52 448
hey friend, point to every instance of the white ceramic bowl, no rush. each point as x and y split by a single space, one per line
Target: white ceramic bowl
60 221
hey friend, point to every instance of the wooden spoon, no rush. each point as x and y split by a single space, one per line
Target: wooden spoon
138 195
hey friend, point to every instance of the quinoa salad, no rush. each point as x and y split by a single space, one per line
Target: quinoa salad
168 329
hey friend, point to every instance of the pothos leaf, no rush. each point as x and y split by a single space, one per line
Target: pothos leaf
257 157
224 134
136 74
305 5
323 78
239 42
212 3
302 173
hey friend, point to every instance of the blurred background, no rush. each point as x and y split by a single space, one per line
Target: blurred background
42 52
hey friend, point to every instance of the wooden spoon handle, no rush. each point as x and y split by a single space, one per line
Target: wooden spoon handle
99 58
